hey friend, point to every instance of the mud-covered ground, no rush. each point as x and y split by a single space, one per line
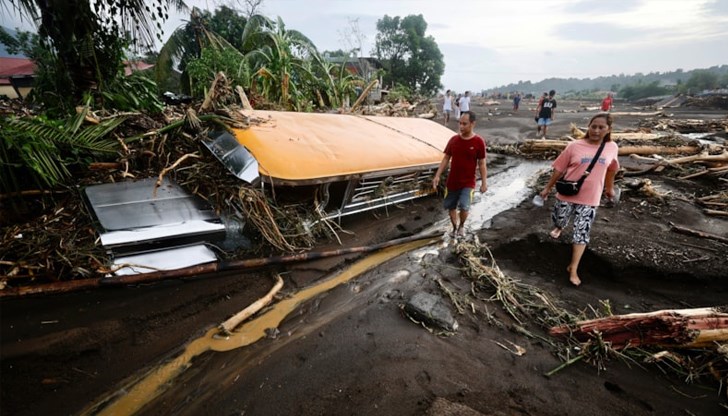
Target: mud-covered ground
351 350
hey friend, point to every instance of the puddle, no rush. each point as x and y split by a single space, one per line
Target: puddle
507 188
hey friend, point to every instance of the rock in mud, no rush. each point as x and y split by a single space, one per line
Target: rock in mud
432 310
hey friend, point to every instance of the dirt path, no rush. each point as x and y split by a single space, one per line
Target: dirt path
352 351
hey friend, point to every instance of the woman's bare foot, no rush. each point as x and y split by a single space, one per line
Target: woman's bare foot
555 233
573 277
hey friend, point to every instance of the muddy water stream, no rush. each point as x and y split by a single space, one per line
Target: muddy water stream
507 188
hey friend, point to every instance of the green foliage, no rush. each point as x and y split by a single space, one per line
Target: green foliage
410 57
702 80
89 36
42 152
201 71
400 92
673 81
132 93
636 92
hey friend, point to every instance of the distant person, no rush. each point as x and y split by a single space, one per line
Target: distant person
607 103
457 106
447 106
516 102
465 103
467 152
571 164
545 112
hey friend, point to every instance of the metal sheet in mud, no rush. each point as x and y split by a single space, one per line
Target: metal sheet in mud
135 214
236 158
170 259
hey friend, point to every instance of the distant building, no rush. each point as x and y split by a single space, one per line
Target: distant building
16 77
18 74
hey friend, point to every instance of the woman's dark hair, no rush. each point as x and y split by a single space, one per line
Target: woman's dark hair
608 118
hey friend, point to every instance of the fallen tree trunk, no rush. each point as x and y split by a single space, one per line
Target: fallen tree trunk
637 113
684 328
696 233
539 146
701 157
199 270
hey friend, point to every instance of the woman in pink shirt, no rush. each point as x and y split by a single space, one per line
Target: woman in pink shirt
571 164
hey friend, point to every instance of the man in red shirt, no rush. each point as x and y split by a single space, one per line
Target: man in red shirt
466 151
607 102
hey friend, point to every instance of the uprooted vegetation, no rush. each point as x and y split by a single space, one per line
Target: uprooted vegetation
688 344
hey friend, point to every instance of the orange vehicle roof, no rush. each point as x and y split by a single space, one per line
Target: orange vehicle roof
306 146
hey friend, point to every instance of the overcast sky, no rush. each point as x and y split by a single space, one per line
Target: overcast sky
489 43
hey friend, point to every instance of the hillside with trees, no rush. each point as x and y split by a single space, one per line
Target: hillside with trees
634 86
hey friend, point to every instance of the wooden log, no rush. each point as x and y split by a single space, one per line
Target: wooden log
684 328
657 150
227 327
701 157
716 212
638 114
364 94
203 269
696 233
104 165
539 146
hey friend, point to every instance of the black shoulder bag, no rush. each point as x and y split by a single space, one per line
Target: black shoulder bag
569 188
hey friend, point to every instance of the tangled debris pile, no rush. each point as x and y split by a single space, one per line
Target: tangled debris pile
689 343
60 244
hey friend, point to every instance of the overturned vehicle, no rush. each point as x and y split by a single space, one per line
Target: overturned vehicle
338 164
346 163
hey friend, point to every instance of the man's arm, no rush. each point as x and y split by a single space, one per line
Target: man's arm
483 175
443 165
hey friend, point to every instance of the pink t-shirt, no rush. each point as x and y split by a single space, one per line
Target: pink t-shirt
576 158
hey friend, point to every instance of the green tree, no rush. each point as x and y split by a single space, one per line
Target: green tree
702 80
89 36
410 58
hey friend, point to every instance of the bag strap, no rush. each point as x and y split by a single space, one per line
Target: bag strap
593 162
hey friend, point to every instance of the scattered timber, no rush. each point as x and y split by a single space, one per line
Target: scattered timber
683 328
696 233
202 270
544 146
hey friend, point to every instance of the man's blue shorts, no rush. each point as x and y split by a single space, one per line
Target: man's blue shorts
460 198
544 121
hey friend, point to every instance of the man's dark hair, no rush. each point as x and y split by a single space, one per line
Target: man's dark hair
552 93
471 115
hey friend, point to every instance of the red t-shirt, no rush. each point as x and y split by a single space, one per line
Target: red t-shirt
607 103
464 156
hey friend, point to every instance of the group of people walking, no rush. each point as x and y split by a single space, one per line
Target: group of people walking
458 105
590 164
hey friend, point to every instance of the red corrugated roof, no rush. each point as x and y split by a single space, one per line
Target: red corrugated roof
16 66
131 66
